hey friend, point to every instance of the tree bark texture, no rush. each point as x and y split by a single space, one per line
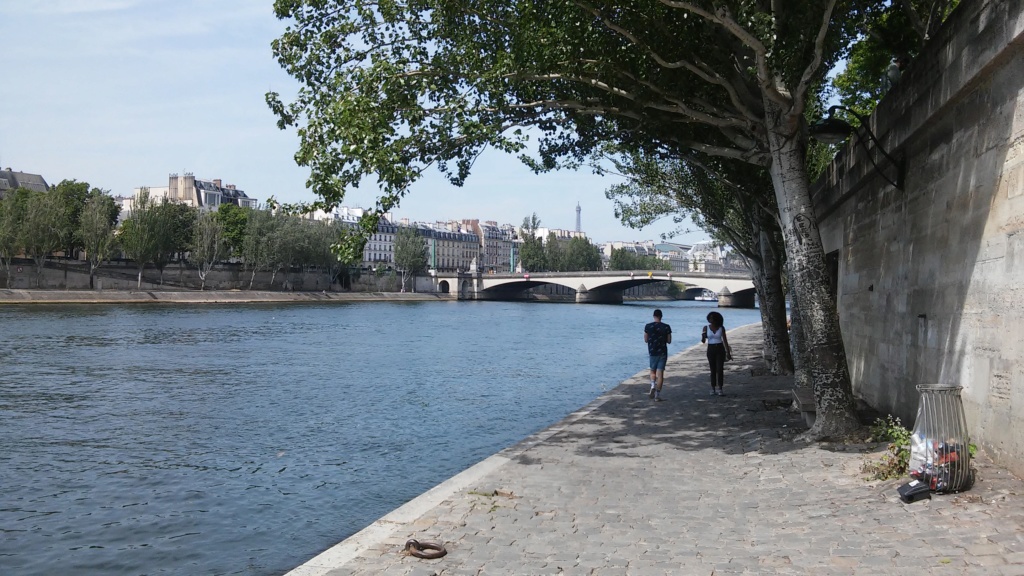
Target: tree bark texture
826 354
773 304
801 373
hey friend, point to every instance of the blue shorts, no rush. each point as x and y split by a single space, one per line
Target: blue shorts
658 361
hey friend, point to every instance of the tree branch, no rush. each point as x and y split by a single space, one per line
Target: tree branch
702 72
800 99
721 16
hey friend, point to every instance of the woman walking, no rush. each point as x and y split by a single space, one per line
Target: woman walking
718 350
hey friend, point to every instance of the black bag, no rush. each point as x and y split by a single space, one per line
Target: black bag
913 491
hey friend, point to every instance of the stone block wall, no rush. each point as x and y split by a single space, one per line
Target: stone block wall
931 277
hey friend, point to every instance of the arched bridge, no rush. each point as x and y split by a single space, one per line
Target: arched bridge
596 287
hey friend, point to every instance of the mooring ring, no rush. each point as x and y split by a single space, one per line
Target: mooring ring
425 550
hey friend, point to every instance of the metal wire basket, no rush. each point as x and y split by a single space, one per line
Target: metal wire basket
940 446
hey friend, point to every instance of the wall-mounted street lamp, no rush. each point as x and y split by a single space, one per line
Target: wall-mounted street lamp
832 130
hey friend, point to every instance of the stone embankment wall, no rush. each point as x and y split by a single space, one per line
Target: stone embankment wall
930 277
123 276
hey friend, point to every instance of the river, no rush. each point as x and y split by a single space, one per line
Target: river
245 439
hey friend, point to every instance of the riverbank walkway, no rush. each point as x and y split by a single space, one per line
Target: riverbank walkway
696 484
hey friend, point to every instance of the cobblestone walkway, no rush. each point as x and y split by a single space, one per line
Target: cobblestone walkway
696 484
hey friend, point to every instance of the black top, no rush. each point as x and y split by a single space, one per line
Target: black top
657 338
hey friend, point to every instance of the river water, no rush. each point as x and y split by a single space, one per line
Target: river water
245 439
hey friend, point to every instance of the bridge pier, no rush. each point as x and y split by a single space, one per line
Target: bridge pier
585 296
741 299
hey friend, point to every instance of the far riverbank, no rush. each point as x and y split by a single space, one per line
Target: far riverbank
203 297
235 296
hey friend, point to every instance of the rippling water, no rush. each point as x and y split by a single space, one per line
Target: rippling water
247 439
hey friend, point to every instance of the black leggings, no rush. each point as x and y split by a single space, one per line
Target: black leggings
716 360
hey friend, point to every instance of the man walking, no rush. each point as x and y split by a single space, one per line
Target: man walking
658 336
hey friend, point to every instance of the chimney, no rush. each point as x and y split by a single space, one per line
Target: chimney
229 186
216 182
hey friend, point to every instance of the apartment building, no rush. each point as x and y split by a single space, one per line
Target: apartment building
12 180
450 246
206 195
498 245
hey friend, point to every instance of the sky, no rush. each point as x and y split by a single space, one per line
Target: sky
121 93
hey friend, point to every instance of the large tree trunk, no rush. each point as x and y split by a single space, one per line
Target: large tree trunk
773 305
833 395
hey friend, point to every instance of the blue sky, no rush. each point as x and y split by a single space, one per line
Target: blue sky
120 93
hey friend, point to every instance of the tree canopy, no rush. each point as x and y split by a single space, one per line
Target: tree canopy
391 89
892 35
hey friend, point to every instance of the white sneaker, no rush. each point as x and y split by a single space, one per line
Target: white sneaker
719 392
651 393
712 391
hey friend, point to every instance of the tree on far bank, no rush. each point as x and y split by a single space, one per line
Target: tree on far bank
410 253
96 231
208 245
233 218
321 255
258 244
554 254
73 196
12 213
286 246
173 224
582 255
41 232
532 255
138 234
623 259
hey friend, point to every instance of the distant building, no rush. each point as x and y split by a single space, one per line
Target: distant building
206 195
12 180
711 256
451 247
563 236
379 251
499 245
639 248
677 255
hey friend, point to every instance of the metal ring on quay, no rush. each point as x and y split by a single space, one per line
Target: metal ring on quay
425 550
